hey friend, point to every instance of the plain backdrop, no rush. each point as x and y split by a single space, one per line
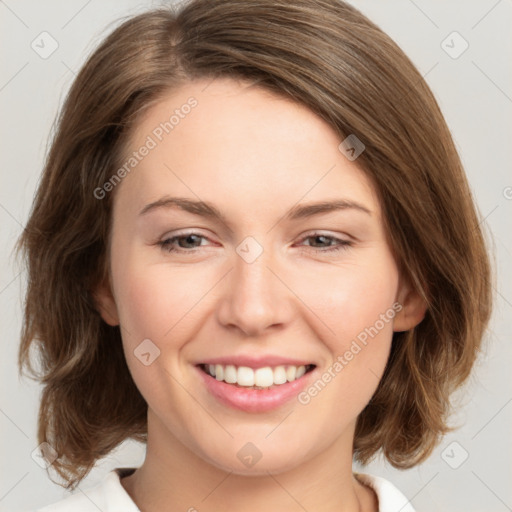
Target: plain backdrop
471 468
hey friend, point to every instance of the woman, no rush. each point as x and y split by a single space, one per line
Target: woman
256 362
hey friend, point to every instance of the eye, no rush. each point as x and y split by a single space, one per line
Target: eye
337 244
188 242
189 239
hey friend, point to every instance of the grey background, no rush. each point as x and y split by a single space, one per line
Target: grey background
475 94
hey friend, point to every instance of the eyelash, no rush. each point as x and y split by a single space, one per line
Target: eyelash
167 243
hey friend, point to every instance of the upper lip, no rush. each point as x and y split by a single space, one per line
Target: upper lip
256 362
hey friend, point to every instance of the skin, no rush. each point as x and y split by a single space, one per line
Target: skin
254 156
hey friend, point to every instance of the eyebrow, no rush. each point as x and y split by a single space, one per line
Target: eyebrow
208 210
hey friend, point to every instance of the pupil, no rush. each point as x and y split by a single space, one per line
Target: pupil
188 238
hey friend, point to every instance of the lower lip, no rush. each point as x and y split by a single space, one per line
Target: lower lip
254 400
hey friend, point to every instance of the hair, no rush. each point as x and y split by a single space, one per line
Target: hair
325 55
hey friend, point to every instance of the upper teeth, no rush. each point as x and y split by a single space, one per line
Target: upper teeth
262 377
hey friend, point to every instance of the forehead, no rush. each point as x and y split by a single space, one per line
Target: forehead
238 145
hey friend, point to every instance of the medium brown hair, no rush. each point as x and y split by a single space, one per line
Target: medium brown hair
327 56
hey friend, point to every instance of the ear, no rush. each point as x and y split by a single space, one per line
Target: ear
105 302
413 309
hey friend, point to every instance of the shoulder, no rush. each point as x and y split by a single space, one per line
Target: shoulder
389 497
108 496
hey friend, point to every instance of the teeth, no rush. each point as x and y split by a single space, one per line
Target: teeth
219 372
291 373
230 374
245 376
279 375
261 378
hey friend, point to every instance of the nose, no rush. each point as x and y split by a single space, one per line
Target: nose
254 297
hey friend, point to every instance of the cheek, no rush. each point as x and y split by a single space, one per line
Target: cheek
155 304
350 298
354 310
153 300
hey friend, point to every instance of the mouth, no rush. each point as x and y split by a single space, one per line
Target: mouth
263 378
255 390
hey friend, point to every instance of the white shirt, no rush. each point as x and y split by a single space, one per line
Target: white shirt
110 496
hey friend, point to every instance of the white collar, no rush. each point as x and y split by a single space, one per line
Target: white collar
389 497
110 496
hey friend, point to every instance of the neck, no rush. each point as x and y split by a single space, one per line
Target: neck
174 478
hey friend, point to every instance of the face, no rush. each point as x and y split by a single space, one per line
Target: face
257 291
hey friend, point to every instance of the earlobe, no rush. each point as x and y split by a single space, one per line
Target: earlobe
414 308
105 303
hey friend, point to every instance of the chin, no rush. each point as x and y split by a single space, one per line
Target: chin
240 463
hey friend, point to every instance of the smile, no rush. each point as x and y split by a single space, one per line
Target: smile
255 390
266 377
